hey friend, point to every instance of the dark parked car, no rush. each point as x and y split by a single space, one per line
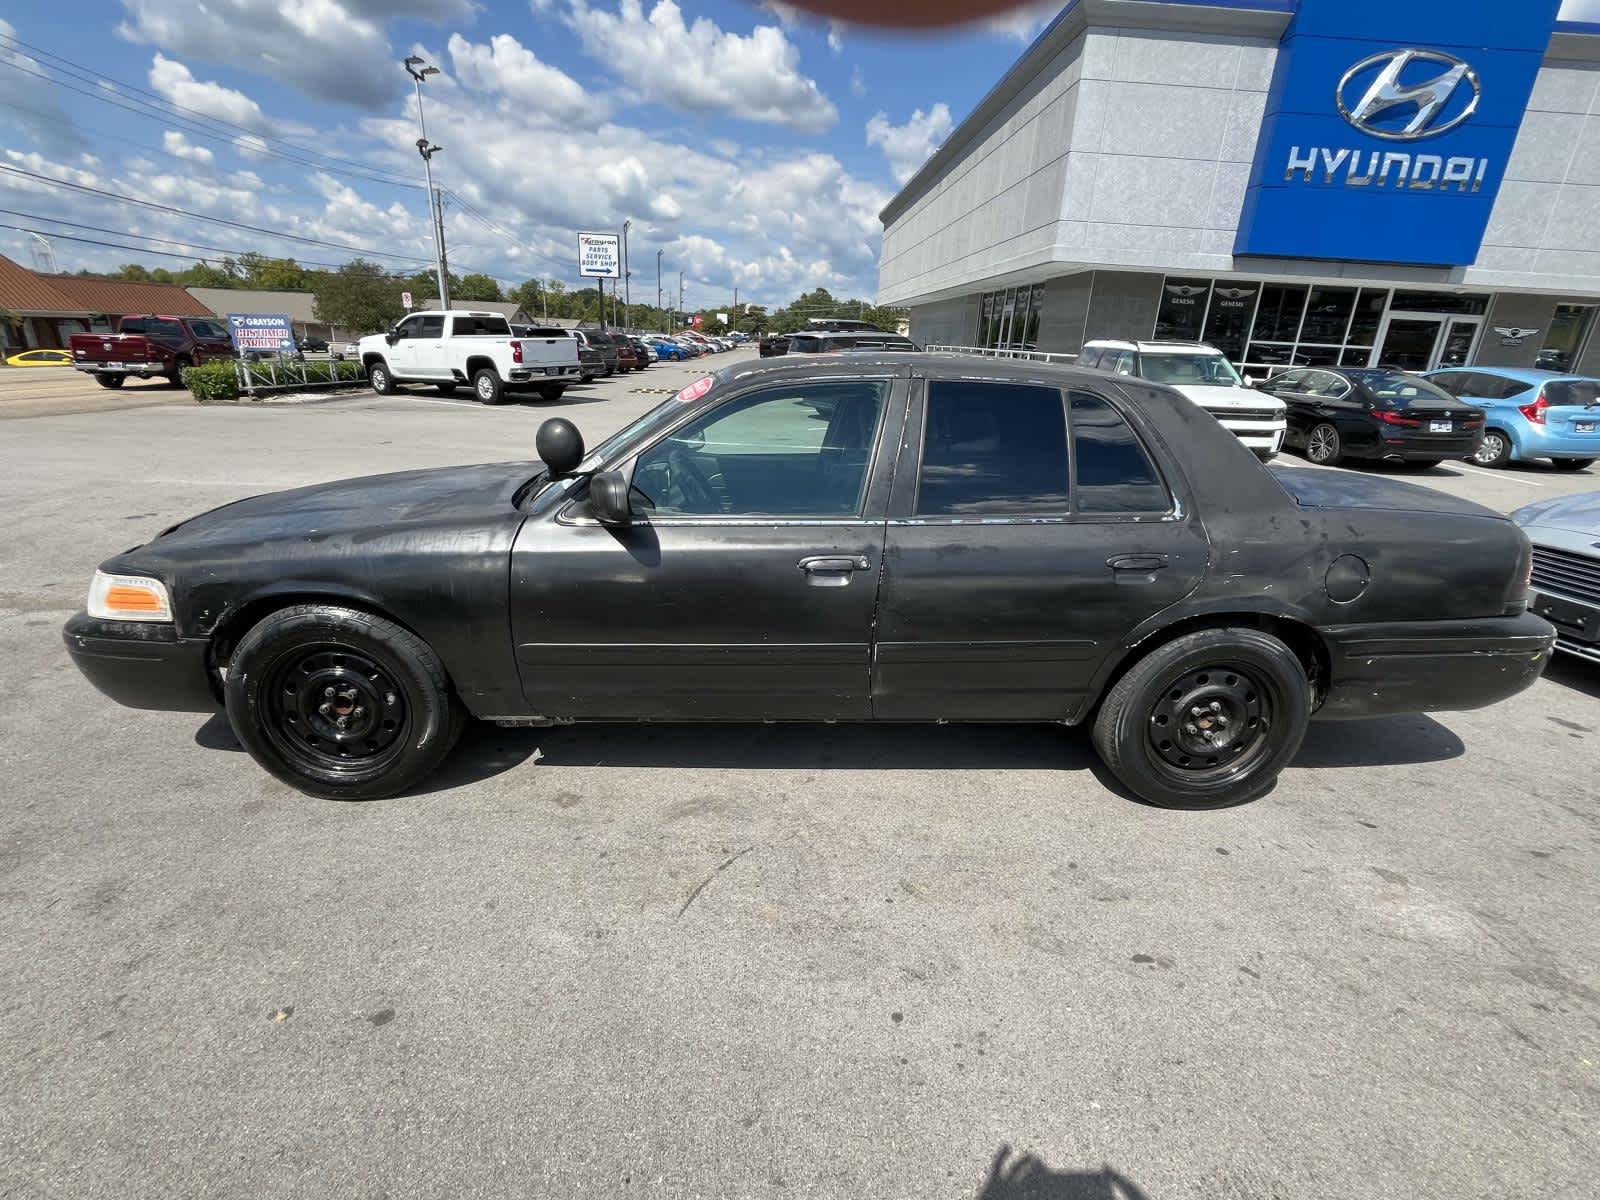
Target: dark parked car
591 362
150 345
1374 413
1565 532
826 342
607 346
312 345
773 344
852 538
627 356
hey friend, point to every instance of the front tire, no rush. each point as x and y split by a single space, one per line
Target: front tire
1205 721
341 704
1324 446
487 387
1494 452
381 380
1573 464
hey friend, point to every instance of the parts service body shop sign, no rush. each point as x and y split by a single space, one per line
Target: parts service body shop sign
269 332
599 256
1389 127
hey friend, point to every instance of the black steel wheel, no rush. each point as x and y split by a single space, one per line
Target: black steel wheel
1324 446
340 703
1207 720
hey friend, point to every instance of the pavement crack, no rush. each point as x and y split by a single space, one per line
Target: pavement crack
706 882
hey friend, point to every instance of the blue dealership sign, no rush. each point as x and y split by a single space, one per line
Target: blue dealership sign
269 332
1389 127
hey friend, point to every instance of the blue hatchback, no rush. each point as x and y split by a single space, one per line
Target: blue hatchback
669 351
1530 414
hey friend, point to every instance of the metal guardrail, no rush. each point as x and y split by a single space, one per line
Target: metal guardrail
281 373
994 352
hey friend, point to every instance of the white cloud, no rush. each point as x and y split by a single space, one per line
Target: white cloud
180 146
836 36
507 68
858 82
174 81
30 105
702 68
1023 24
910 145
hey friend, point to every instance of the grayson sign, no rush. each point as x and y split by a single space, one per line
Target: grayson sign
271 332
599 256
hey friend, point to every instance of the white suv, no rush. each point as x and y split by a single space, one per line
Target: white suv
1204 375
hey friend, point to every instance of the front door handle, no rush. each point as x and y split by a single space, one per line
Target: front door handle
832 570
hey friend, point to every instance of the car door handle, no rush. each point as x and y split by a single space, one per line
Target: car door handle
1136 568
832 570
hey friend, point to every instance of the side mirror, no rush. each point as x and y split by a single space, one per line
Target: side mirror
560 446
1249 382
608 499
392 336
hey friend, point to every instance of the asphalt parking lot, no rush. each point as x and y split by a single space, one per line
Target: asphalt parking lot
763 961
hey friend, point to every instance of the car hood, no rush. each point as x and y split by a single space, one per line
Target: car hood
1220 399
348 507
1312 488
1574 514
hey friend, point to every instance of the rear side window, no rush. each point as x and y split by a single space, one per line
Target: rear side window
160 328
132 325
1575 392
993 448
1115 475
476 326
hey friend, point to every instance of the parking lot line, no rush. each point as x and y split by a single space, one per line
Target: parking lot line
1495 475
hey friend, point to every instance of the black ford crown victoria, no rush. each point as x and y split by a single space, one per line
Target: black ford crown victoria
893 538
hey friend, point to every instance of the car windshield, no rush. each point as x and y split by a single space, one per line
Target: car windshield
1398 388
1162 367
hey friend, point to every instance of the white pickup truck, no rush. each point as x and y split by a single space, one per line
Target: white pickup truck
460 348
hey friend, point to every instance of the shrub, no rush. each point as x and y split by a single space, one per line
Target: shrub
212 381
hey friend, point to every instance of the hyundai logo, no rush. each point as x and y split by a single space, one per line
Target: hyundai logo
1429 101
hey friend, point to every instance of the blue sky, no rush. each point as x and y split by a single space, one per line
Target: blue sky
753 145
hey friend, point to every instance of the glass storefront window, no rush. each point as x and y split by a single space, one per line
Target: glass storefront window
1569 329
1441 302
1355 356
1328 315
1278 317
1368 316
1009 319
1233 307
1183 309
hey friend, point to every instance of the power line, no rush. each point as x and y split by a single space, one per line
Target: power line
500 229
67 237
183 212
202 122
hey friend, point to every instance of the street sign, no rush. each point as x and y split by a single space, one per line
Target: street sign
723 317
599 255
270 332
405 300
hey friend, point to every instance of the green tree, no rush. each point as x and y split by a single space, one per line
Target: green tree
358 296
475 287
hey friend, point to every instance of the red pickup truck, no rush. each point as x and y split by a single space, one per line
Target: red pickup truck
150 345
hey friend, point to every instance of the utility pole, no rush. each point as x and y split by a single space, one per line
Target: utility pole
544 300
427 149
658 281
680 291
627 281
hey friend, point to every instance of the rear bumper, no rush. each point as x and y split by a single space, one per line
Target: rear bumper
1532 441
141 664
1433 666
145 369
1411 449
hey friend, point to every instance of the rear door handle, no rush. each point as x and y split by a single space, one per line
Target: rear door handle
1136 568
832 570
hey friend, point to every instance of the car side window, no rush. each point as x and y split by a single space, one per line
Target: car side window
1119 362
800 451
1089 357
1454 382
1288 381
993 448
1115 475
408 328
167 329
1505 389
428 327
136 325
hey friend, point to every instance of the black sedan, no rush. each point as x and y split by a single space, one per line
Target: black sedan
895 537
1339 413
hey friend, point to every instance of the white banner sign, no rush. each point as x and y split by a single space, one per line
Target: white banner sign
599 255
405 299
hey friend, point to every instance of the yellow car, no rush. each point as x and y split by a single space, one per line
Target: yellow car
41 358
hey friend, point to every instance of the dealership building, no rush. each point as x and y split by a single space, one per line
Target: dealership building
1314 182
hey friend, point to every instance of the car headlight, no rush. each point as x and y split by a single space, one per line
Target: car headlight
128 598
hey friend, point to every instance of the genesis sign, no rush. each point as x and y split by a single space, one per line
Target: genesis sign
1389 127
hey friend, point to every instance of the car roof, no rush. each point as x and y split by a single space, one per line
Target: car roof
1522 374
1125 344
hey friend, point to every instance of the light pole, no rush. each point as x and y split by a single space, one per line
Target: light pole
658 281
627 281
427 149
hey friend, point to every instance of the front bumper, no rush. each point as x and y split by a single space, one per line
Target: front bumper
1433 666
142 664
1577 621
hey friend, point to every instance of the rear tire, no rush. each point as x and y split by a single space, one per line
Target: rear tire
1495 452
1242 686
378 375
1324 446
1573 464
487 387
179 366
110 381
386 683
